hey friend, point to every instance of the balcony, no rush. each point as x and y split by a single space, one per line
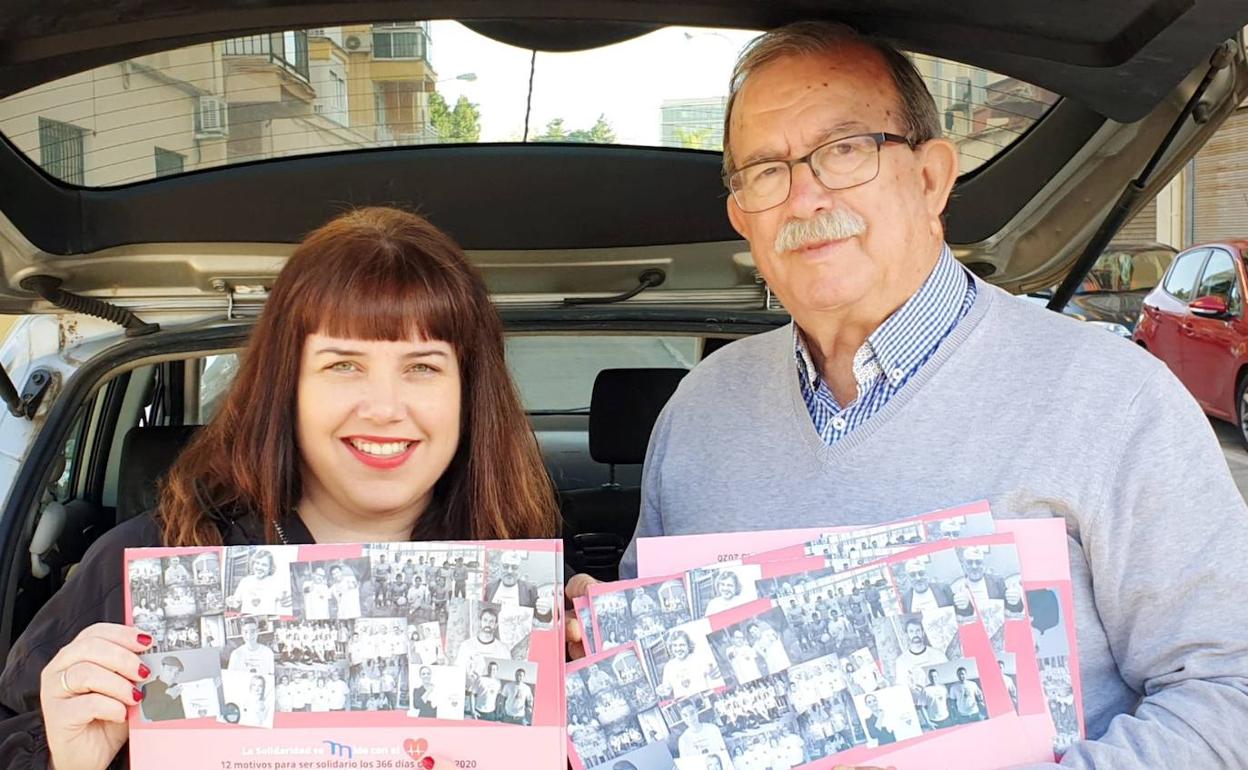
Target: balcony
401 41
288 50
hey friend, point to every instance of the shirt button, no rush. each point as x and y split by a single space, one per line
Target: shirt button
896 375
838 423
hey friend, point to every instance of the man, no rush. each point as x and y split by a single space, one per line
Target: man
345 590
937 708
472 652
176 573
983 586
840 632
968 699
699 739
316 596
743 658
508 589
162 697
879 728
460 574
905 383
685 673
251 656
923 594
916 654
485 694
517 700
339 692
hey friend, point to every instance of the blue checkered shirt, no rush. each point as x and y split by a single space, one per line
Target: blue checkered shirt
892 354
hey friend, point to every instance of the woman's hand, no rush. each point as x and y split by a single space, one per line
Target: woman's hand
577 587
85 691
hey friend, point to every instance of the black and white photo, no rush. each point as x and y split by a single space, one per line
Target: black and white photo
437 692
640 612
249 645
523 578
888 715
183 685
683 661
249 697
257 579
720 588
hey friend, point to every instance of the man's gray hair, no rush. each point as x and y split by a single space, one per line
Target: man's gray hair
919 118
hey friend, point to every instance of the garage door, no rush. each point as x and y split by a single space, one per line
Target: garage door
1221 194
1140 228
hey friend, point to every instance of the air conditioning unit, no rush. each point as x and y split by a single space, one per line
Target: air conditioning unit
211 117
360 42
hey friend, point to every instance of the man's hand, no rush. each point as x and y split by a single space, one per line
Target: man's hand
576 588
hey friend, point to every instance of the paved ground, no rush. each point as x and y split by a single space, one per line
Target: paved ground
1236 455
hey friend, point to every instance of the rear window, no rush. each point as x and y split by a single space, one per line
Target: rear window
406 83
555 373
1182 278
1128 270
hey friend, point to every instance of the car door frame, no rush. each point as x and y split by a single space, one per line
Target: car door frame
1172 313
1210 362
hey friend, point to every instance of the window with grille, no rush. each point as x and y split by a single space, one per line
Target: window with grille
61 150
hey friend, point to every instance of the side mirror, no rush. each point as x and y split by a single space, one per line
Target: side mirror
1209 307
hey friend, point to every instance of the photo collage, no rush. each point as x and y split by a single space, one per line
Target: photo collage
435 630
836 658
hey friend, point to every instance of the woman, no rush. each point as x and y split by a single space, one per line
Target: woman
254 711
373 405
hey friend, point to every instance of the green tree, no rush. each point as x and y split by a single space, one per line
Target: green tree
694 138
599 133
462 123
555 132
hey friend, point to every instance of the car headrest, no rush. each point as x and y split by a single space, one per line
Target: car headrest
622 412
146 455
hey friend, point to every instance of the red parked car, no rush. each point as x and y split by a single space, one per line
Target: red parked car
1194 321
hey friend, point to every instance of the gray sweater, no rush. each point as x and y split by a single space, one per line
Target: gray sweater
1042 416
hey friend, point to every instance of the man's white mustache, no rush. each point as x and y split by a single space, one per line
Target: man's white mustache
834 225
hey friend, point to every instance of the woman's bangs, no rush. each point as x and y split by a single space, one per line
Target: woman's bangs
385 305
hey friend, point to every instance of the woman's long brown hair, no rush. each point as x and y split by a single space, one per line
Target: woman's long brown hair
372 274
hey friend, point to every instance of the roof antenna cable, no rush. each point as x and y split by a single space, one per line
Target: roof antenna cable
528 104
49 288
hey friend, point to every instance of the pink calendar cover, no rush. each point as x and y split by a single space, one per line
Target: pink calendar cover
392 655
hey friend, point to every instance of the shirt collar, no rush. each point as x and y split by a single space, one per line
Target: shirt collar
902 341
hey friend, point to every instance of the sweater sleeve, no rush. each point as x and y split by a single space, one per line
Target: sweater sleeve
650 519
92 594
1167 548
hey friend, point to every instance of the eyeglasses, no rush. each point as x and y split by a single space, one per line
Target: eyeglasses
838 165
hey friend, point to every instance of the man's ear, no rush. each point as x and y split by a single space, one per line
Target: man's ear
938 161
737 218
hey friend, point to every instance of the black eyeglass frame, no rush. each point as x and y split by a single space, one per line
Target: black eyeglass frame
881 138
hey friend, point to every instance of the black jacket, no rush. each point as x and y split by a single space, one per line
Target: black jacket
94 593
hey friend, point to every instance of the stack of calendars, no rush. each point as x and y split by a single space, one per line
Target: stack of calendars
938 641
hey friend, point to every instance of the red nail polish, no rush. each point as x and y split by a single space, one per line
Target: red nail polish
144 671
138 694
145 639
